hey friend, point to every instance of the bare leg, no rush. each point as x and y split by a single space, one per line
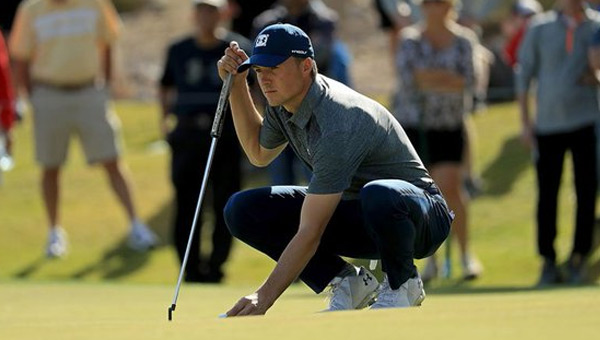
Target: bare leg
50 194
120 183
448 177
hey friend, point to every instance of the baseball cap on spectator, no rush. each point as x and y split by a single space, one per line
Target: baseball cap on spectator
275 43
214 3
527 8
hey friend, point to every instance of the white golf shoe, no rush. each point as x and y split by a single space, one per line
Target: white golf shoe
141 238
57 243
352 291
410 293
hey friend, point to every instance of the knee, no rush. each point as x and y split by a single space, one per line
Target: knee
376 203
236 213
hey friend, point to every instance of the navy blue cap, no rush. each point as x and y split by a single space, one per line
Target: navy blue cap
275 43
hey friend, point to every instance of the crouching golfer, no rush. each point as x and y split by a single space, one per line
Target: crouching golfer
370 195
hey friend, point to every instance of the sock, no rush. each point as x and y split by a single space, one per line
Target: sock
348 270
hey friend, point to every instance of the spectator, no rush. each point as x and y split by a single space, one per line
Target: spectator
244 13
190 76
516 25
58 47
436 79
318 21
7 103
7 15
394 15
554 54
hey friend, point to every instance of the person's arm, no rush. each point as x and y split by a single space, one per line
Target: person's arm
246 118
165 95
527 60
107 64
316 213
22 76
439 80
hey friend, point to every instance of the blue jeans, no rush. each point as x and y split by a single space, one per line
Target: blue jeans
393 220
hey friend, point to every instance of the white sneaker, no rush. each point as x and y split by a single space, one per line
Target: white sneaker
57 243
141 238
410 293
353 292
472 268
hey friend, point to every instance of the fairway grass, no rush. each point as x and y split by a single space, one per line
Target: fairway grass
91 311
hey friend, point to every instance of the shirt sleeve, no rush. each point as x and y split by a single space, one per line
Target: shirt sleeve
168 76
271 135
526 61
109 23
22 38
7 112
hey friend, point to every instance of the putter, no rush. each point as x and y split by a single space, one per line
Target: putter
215 133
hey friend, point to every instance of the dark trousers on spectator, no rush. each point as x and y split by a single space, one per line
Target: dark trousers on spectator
393 220
190 149
549 164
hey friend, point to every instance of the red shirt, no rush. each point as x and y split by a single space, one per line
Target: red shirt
7 98
512 47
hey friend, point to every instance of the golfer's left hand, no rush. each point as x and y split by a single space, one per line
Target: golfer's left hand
248 305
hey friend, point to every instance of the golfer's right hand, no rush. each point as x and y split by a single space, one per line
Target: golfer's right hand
234 56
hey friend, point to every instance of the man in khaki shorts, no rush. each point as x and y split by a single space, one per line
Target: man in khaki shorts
60 47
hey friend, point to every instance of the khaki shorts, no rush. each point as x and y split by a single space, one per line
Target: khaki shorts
59 114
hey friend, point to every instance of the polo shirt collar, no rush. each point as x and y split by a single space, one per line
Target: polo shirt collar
309 103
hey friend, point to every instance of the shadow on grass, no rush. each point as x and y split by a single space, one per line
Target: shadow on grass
502 173
459 289
119 260
31 268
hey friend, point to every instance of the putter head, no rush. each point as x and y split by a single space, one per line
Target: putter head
171 310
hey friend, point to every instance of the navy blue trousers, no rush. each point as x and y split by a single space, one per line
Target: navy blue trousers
392 220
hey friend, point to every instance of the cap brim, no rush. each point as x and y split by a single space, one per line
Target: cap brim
264 60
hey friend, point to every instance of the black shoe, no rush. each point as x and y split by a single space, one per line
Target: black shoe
550 274
575 269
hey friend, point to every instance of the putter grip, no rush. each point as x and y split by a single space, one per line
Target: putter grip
219 120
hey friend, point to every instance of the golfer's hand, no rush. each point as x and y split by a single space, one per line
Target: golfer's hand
248 305
234 56
527 136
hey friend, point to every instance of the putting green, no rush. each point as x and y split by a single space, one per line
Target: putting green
126 311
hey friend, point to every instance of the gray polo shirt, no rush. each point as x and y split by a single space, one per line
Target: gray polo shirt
345 138
564 103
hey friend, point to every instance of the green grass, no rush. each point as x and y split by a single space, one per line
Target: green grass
109 311
102 289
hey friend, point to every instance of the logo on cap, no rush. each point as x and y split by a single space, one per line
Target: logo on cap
261 40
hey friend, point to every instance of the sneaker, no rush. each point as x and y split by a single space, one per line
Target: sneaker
549 275
576 269
410 293
141 238
57 243
472 268
430 271
353 292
